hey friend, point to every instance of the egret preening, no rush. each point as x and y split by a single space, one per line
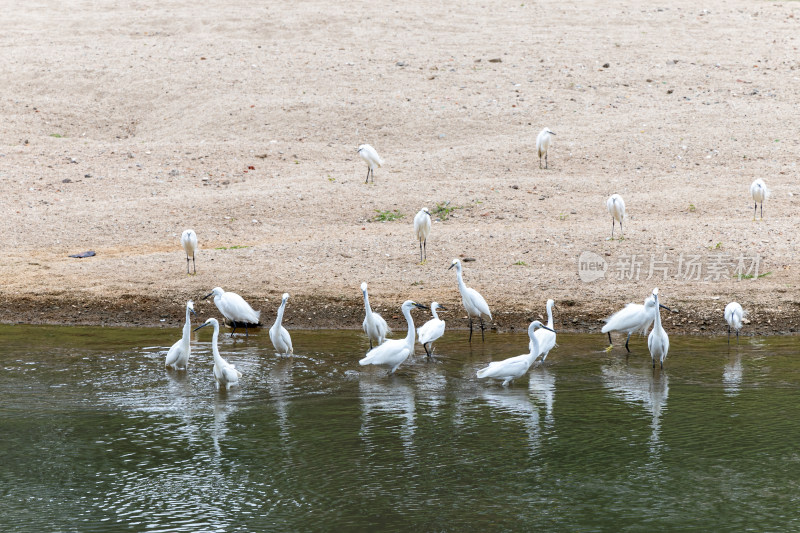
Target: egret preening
543 144
432 329
546 337
422 228
393 352
234 308
658 340
371 158
733 316
514 367
759 192
277 333
634 318
474 303
189 242
225 373
178 355
374 325
616 208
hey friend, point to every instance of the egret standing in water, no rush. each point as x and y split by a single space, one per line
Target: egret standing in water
474 303
189 243
225 374
178 355
759 192
432 329
658 340
543 145
733 316
422 228
371 158
633 318
277 333
234 308
374 325
546 336
514 367
616 208
393 352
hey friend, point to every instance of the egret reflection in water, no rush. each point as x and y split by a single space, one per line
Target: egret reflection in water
517 403
732 375
390 396
542 388
640 385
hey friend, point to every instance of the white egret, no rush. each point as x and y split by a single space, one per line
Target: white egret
371 158
374 325
225 373
616 208
432 329
514 367
658 340
546 338
543 144
393 352
178 355
473 302
189 242
633 318
733 316
759 192
422 228
277 333
234 308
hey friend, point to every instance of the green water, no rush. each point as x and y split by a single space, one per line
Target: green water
98 436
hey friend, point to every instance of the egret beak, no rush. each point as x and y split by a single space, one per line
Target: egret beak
201 327
451 266
665 307
207 295
443 308
420 306
548 329
192 310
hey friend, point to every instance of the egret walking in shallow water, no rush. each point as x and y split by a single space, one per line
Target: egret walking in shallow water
543 145
225 374
759 192
733 316
545 336
422 228
371 158
514 367
658 340
374 325
616 208
633 318
431 330
234 308
277 333
393 352
178 355
474 303
189 243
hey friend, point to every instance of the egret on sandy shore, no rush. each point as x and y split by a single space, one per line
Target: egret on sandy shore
422 228
224 373
432 329
616 208
234 308
543 144
473 302
633 318
546 337
658 340
277 333
393 352
374 325
371 158
759 192
178 355
514 367
733 316
189 243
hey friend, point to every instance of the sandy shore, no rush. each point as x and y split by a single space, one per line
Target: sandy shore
122 125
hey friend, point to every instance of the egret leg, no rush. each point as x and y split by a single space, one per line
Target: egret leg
612 228
425 247
755 210
370 344
737 336
246 331
762 210
654 361
187 264
620 230
540 161
545 160
626 343
234 328
426 350
729 335
470 329
483 339
609 338
194 267
420 252
662 364
367 180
